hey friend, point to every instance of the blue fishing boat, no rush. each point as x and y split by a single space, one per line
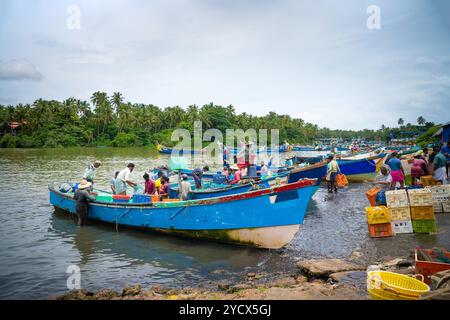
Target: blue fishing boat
176 151
314 171
267 218
359 170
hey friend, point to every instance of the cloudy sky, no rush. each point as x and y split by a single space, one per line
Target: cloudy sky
316 60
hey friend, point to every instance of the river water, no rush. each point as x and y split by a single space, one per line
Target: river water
38 244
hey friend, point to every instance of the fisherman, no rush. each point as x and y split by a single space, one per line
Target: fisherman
439 166
332 171
113 182
397 172
149 184
197 174
184 188
90 172
165 187
123 180
82 196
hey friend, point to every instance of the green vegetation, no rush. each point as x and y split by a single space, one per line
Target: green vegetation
110 121
427 138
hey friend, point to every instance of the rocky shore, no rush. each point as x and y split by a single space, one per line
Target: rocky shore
316 279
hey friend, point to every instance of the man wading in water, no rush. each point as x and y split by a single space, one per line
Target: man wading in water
82 197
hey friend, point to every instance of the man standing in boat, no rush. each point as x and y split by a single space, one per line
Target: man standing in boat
197 174
90 172
123 180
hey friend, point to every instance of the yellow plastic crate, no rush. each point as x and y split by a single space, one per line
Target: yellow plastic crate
422 213
420 197
378 215
397 198
400 214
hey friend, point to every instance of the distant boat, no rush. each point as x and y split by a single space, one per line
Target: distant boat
266 218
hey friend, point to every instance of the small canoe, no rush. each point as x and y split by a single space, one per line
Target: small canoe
267 218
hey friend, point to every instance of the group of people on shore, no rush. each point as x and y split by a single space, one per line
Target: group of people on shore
424 163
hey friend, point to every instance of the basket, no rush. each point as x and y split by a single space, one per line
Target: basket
377 215
397 198
420 197
372 195
402 227
424 226
422 213
400 214
341 180
141 198
387 285
427 181
428 268
380 230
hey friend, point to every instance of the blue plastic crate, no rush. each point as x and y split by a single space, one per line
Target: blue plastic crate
141 198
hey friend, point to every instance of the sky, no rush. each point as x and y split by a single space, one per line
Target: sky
316 60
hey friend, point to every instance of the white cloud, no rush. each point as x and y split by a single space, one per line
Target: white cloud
19 70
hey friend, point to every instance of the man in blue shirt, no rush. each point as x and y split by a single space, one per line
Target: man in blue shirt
446 152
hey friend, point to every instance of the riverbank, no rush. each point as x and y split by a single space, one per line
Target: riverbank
315 279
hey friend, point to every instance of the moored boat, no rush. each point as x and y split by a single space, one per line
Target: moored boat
266 218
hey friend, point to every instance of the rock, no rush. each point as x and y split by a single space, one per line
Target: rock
223 286
80 294
322 268
131 291
338 276
105 295
159 290
239 287
283 282
356 255
301 279
251 275
396 263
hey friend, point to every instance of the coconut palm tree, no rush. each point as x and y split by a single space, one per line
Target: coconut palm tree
421 120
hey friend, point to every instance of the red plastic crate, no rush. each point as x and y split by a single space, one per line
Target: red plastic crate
428 268
380 230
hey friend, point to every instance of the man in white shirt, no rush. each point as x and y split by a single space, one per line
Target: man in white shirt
123 180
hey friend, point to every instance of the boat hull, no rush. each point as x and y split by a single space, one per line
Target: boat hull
266 218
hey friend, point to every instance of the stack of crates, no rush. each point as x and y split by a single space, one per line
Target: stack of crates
441 197
422 210
379 222
398 204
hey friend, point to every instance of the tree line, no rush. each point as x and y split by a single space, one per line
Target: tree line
112 121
